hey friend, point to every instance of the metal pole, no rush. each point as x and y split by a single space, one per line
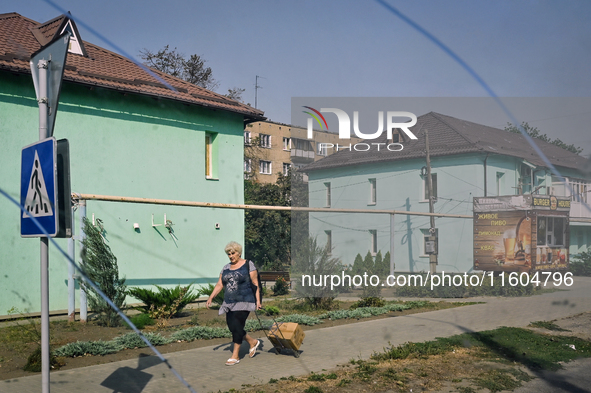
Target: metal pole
392 244
44 249
83 303
71 273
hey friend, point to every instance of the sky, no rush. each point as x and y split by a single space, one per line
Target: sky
321 48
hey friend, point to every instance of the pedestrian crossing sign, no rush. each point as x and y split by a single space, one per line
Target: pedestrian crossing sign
39 189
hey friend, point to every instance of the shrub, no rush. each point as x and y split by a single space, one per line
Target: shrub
141 320
164 298
81 348
100 266
300 318
281 287
271 310
207 291
313 260
581 264
369 302
201 332
133 340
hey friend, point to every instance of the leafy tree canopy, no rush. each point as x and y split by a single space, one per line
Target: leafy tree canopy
191 69
535 133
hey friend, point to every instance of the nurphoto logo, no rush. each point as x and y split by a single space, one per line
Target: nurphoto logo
345 127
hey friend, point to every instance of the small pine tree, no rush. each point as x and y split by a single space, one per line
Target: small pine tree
368 264
377 265
385 270
357 265
100 266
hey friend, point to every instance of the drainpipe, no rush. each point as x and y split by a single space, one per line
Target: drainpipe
71 274
486 158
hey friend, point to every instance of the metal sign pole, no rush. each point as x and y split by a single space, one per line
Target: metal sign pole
43 115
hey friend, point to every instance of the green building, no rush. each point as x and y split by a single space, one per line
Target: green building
467 160
130 135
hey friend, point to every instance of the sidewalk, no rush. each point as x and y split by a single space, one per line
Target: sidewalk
323 349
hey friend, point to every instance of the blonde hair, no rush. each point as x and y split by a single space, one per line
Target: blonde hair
233 246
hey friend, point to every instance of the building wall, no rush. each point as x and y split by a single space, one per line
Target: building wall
131 146
294 154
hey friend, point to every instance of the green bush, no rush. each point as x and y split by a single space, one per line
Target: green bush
165 298
100 266
133 340
281 287
300 318
271 310
580 264
142 320
207 291
369 302
201 333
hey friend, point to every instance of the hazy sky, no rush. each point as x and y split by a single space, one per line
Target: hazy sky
360 48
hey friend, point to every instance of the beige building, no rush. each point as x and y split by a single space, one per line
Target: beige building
272 148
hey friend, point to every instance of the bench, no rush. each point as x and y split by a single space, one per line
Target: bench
273 276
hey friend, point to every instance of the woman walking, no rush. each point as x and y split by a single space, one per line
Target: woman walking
239 298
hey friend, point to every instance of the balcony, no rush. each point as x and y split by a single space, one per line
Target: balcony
580 210
299 155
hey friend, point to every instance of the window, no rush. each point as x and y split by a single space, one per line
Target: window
372 192
395 137
426 187
524 179
329 241
247 167
322 150
210 162
265 167
286 167
373 246
265 140
551 231
328 197
286 143
580 190
425 246
247 139
500 183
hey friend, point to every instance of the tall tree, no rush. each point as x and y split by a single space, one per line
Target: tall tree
535 133
172 62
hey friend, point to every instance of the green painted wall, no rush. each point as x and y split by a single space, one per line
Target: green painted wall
400 187
124 145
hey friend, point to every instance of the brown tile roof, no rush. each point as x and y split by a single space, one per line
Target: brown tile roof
20 37
450 136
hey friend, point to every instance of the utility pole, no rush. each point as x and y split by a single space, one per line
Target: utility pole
432 232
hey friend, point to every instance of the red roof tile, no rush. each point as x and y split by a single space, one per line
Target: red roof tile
20 37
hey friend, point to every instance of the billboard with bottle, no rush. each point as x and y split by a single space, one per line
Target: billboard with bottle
521 233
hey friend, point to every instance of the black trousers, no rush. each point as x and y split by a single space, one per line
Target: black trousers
236 321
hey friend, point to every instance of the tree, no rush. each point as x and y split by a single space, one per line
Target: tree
174 63
357 265
535 133
235 93
100 266
267 234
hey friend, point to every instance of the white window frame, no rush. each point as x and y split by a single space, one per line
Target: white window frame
247 138
265 167
373 242
286 167
247 167
265 140
286 144
321 149
373 196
